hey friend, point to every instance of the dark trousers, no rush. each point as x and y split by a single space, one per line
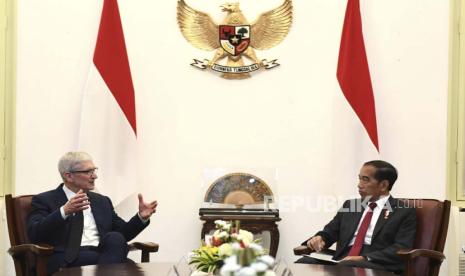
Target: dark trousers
112 249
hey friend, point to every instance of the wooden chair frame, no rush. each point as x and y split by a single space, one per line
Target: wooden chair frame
27 256
435 254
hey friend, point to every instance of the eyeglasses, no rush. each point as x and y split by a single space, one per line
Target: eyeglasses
88 172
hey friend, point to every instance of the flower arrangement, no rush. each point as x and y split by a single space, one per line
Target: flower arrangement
231 251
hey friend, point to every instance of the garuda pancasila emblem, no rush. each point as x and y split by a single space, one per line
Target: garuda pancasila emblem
234 37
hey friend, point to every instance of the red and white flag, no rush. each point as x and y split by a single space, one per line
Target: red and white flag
108 127
353 73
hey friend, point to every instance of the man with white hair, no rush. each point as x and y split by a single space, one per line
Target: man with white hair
81 225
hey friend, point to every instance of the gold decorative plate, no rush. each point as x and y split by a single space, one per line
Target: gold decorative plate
238 189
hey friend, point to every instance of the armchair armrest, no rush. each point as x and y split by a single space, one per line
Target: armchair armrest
39 250
302 250
411 254
146 248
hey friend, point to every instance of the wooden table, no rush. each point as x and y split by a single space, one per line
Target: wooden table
162 269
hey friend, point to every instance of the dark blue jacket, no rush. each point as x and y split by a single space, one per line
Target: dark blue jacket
394 230
46 225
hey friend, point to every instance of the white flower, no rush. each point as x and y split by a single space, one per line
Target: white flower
228 270
246 271
245 236
258 249
225 249
231 260
220 223
267 259
223 234
236 246
218 234
230 266
208 240
227 226
259 267
270 273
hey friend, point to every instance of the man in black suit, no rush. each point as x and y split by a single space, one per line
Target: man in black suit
81 225
370 230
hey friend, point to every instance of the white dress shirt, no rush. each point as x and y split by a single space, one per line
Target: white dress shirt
90 234
376 213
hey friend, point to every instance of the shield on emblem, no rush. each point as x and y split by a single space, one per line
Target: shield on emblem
234 39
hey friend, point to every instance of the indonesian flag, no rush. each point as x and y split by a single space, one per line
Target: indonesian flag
353 73
108 127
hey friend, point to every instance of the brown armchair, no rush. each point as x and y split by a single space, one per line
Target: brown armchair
27 255
432 225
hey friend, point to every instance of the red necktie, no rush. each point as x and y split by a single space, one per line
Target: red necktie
362 231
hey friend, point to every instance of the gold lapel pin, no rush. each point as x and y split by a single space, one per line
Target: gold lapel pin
386 214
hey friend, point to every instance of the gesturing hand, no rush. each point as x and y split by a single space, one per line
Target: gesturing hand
77 203
316 243
146 209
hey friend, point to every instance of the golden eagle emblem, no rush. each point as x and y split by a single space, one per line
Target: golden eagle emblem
234 37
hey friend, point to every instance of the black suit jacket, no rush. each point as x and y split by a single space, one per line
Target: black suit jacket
394 230
46 225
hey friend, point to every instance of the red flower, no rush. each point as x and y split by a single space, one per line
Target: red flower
216 241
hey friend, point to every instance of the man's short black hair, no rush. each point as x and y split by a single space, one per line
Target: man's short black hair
384 171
